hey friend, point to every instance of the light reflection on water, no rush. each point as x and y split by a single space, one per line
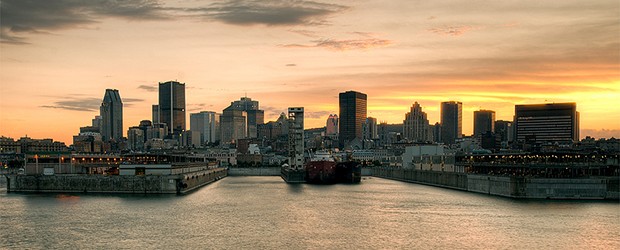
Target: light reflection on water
264 212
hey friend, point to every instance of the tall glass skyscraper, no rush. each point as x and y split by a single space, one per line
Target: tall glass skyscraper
484 122
172 106
111 112
352 115
451 121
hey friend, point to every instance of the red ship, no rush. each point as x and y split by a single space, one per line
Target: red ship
321 169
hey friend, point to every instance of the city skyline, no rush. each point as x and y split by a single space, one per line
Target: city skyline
487 56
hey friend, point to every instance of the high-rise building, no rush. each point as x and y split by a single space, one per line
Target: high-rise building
206 123
352 116
415 125
111 112
551 122
155 112
332 125
172 107
451 121
135 138
296 137
255 116
233 125
504 130
484 122
370 129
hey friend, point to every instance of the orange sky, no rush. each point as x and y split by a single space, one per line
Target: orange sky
58 57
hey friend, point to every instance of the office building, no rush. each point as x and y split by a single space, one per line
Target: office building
451 121
546 123
415 125
504 130
332 125
172 107
233 125
254 114
206 124
484 122
155 112
352 115
111 112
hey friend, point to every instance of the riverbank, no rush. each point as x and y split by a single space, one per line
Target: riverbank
513 187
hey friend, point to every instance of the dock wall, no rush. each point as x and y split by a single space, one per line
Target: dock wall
146 184
514 187
263 171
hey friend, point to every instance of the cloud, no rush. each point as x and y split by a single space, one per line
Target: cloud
452 30
342 45
77 104
271 13
148 88
291 65
316 115
23 17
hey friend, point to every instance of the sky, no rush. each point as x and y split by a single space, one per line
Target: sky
58 57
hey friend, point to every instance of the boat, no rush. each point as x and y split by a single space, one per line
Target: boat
348 172
291 175
321 168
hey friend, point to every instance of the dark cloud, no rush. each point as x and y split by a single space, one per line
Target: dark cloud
20 17
341 45
148 88
291 65
272 13
77 104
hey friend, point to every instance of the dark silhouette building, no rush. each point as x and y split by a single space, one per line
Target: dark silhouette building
546 123
484 121
352 115
451 121
172 107
111 112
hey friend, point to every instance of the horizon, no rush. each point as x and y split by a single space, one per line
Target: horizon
493 56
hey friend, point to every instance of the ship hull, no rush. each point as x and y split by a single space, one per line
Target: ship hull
321 172
348 172
293 176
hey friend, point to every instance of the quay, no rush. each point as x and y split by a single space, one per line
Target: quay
136 174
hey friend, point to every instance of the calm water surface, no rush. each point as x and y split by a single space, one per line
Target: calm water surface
266 213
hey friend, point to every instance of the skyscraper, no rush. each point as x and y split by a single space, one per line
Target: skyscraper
206 124
352 116
172 106
551 122
451 121
155 112
369 129
484 121
233 125
254 115
111 112
331 128
415 125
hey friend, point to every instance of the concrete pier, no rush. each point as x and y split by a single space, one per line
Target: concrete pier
140 184
513 187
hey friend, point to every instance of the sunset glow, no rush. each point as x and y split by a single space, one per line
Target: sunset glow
58 57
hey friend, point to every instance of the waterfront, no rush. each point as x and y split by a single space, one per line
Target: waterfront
264 212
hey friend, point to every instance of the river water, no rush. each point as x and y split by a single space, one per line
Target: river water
266 213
